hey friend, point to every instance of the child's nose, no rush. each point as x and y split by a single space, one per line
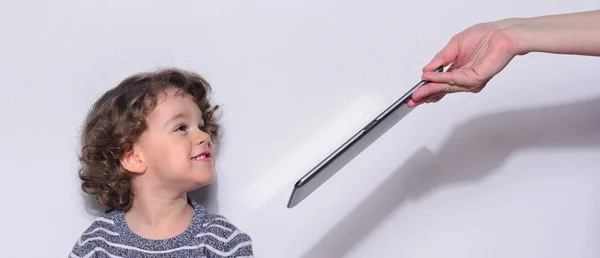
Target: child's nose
201 137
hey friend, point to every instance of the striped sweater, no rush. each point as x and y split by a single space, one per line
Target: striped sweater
209 235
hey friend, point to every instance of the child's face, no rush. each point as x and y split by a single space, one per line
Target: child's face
178 155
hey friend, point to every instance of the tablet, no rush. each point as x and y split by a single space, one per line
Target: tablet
352 147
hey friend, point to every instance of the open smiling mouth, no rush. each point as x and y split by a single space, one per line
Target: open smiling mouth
203 156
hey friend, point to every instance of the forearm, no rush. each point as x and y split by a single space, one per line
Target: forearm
573 33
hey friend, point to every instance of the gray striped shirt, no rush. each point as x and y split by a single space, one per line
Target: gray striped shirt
209 235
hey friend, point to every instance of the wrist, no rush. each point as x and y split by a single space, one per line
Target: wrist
515 30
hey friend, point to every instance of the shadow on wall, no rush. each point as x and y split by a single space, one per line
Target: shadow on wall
92 207
473 151
205 196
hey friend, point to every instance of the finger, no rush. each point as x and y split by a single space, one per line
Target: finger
446 56
433 98
433 88
437 98
430 99
452 77
427 91
412 103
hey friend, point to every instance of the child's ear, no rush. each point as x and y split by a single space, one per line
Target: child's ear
133 162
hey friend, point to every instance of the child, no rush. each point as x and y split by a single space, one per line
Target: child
145 144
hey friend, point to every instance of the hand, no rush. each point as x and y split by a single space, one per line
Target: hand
477 54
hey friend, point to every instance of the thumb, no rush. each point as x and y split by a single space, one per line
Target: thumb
446 56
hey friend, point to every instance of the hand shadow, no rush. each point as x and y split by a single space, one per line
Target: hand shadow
473 151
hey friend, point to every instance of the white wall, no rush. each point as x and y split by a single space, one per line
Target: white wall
510 172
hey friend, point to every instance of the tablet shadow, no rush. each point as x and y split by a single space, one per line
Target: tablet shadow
473 151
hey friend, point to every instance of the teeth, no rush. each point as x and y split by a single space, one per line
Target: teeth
200 157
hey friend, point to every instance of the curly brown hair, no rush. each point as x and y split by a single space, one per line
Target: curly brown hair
116 121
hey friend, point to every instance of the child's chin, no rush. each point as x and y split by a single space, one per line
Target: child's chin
209 180
206 178
197 185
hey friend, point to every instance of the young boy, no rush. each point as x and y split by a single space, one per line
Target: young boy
145 144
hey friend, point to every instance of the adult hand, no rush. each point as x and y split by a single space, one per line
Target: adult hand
476 55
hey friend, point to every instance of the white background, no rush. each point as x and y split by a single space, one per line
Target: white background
510 172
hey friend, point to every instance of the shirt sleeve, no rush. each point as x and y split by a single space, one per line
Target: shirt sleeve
92 242
223 239
83 250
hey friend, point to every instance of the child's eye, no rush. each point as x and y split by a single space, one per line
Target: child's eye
181 128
